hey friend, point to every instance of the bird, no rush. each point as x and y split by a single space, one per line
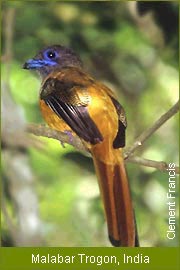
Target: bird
72 101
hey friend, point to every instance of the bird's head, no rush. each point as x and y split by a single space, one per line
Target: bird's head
53 58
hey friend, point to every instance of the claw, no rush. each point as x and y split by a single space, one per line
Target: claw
70 136
62 144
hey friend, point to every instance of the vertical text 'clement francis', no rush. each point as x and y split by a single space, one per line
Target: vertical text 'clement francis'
171 202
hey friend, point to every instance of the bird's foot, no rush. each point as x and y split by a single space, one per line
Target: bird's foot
70 136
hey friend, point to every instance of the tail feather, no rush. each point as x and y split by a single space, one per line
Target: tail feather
119 212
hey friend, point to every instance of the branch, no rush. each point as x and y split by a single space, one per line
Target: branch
147 133
42 130
159 165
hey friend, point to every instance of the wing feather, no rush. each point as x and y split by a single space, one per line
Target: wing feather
76 117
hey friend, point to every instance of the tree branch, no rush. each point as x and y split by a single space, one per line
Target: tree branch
147 133
42 130
159 165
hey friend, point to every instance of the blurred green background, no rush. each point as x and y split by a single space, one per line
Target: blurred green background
134 52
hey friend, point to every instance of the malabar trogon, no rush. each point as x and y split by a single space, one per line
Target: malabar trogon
72 101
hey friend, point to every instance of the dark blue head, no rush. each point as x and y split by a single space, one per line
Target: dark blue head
53 58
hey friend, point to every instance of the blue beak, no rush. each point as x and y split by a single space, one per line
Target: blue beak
37 63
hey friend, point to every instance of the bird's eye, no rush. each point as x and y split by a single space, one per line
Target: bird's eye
51 54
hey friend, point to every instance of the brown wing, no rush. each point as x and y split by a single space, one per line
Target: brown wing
69 99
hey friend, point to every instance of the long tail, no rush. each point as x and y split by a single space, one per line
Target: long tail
119 212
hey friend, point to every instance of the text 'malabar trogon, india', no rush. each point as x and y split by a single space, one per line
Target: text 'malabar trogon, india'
72 101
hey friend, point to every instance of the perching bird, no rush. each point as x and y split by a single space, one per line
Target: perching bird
72 101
